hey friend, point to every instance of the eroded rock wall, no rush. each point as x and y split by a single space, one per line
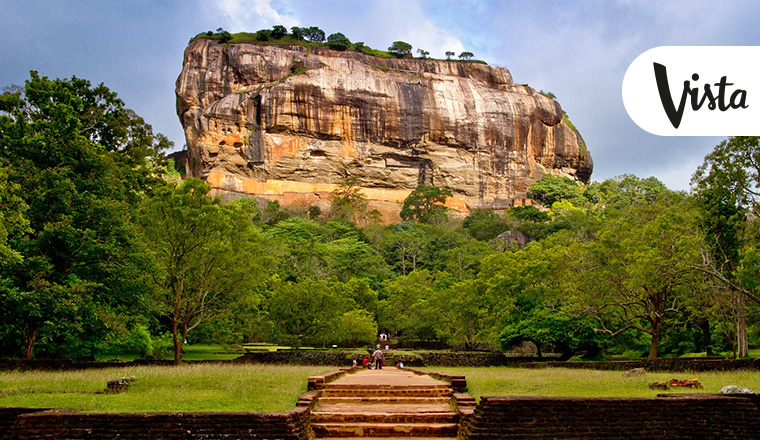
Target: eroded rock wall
290 123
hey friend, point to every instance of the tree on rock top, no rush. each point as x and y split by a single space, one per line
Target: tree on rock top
400 49
426 204
338 41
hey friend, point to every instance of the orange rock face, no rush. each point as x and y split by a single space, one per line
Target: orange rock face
290 123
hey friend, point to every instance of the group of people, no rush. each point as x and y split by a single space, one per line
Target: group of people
378 356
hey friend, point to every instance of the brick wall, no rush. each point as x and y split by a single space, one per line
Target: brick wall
291 425
664 364
695 417
8 418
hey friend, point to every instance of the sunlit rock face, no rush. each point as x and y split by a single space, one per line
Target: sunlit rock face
291 123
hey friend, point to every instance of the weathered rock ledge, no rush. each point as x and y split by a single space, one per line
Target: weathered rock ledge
289 123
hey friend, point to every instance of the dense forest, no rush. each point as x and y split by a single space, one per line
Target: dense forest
103 249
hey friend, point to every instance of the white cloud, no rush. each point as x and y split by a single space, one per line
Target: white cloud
251 15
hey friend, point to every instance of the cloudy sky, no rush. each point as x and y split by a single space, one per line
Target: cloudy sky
579 50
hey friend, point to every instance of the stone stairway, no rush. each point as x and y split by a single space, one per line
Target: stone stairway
386 403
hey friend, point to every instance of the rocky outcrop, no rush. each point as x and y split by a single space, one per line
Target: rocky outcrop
291 123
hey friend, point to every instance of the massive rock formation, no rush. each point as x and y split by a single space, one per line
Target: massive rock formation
291 123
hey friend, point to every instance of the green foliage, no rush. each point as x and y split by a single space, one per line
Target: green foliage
306 312
349 203
550 189
314 34
484 224
206 255
426 204
74 159
338 41
466 56
278 31
400 49
640 269
297 32
356 327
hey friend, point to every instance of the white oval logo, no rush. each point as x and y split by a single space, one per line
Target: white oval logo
695 90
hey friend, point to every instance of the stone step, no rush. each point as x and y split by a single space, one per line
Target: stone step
411 392
387 408
385 429
352 386
398 438
369 417
402 400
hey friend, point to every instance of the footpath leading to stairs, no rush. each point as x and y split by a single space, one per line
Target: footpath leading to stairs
385 403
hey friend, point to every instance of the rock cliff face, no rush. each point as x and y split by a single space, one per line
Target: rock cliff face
289 123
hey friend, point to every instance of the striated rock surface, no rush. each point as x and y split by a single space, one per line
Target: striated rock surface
289 123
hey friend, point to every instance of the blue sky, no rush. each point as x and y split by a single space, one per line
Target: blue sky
579 50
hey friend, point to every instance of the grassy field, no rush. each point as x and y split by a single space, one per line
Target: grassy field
215 387
501 381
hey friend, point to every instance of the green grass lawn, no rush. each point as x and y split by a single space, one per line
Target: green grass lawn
208 387
502 381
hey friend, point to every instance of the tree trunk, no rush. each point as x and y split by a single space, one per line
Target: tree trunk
742 348
177 343
704 325
656 330
29 337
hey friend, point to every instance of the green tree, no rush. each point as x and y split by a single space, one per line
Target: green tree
726 186
350 203
484 224
338 41
466 56
263 35
550 189
278 31
423 53
640 269
356 327
449 54
426 204
297 32
207 255
76 158
405 309
13 221
400 49
306 312
314 34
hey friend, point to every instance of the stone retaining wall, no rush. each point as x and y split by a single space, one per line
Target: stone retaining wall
291 425
663 364
696 417
416 359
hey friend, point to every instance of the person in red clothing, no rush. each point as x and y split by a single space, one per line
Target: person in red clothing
365 362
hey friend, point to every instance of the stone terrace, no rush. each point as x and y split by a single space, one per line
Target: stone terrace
385 403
